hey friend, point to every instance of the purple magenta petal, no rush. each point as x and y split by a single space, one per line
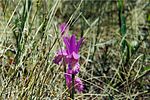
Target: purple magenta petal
78 85
61 54
67 43
57 59
76 68
79 44
72 61
75 55
68 78
63 28
72 43
73 69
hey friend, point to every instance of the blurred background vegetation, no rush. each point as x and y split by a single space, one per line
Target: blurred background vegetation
115 55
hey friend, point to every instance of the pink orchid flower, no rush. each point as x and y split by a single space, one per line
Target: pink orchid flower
70 56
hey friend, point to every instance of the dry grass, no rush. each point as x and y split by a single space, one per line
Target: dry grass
110 69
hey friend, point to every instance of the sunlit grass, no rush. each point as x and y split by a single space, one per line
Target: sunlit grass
115 58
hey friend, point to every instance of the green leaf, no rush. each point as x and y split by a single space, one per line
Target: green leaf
147 68
148 17
123 26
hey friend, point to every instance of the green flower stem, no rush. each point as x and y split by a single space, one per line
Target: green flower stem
73 89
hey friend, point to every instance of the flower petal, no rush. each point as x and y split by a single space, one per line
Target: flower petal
72 43
61 54
63 28
73 69
67 43
76 68
78 85
75 55
68 78
57 59
79 44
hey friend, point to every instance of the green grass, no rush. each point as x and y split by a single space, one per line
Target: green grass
115 55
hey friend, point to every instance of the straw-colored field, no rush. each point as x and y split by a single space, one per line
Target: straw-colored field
112 63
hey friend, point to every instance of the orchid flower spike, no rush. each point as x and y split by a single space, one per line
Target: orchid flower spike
79 87
63 28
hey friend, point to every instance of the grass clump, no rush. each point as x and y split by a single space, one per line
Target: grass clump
115 54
